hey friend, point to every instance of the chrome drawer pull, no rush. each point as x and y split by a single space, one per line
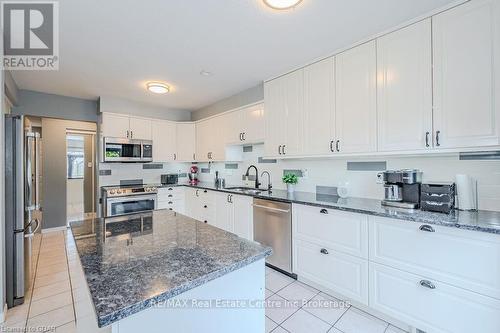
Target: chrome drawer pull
323 211
324 251
427 284
427 228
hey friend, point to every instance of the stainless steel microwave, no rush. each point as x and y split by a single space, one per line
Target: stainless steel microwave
127 150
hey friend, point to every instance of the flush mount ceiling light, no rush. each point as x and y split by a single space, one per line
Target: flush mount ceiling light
205 73
282 4
157 87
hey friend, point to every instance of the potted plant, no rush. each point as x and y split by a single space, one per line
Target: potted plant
290 180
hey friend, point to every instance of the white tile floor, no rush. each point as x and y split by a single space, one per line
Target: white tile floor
60 302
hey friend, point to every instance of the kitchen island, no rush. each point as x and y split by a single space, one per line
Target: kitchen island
161 271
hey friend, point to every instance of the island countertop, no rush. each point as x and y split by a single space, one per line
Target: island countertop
134 261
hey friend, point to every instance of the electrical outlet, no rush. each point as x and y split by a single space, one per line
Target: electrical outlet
380 178
305 173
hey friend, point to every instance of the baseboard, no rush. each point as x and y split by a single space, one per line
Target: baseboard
47 230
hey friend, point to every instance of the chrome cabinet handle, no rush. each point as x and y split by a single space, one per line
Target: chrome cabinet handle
175 156
279 149
194 157
331 146
170 202
205 191
337 145
427 139
324 251
427 284
205 206
197 194
228 196
170 195
241 136
323 211
127 134
244 139
284 153
426 227
170 189
437 138
131 134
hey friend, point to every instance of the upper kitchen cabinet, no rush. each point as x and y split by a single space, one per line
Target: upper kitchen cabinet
355 96
253 129
140 128
404 88
186 142
203 140
466 50
284 106
164 141
123 126
319 107
115 125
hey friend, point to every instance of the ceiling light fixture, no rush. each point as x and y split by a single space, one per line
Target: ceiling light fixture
158 87
282 4
205 73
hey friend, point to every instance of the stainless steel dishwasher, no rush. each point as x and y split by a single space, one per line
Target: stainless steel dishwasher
272 226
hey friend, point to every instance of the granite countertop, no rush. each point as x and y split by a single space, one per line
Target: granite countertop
132 262
483 221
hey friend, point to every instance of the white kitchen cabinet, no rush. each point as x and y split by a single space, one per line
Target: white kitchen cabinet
186 142
284 106
243 216
338 272
466 47
319 107
234 130
210 136
253 124
467 259
140 128
192 206
234 214
164 141
342 231
429 305
203 140
356 100
404 88
200 204
171 198
115 125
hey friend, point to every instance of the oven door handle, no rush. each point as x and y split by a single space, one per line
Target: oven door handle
131 198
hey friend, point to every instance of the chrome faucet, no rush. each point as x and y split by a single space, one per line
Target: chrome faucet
257 184
269 184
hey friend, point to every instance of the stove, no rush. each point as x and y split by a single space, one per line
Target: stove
130 199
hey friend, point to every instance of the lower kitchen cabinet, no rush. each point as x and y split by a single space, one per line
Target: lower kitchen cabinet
234 213
429 305
171 198
200 204
337 272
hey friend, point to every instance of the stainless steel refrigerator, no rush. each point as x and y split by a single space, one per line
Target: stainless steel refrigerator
22 207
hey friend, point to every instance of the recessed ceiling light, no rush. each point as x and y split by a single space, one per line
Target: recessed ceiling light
205 73
282 4
158 87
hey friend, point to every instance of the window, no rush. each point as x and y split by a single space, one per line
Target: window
75 156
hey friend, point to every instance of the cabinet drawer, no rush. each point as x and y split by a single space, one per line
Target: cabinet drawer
169 190
341 231
443 309
342 273
466 259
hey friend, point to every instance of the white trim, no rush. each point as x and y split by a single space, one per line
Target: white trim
48 230
3 314
375 36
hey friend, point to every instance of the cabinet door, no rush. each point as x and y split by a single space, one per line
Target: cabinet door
274 103
356 107
294 112
164 141
217 133
319 107
192 203
430 305
254 129
466 46
404 88
223 212
186 142
202 140
140 128
243 216
115 125
233 127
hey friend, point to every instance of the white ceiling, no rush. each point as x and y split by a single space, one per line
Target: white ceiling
112 47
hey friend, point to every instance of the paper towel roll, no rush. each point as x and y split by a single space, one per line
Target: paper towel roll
465 192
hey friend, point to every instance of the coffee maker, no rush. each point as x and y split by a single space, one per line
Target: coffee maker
401 188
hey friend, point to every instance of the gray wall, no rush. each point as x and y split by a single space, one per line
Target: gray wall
118 105
35 103
54 168
249 96
11 90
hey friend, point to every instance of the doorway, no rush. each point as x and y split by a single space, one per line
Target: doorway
80 200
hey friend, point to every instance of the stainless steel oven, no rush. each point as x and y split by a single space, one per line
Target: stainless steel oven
127 150
128 200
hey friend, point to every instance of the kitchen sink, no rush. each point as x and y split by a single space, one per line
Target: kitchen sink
245 190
